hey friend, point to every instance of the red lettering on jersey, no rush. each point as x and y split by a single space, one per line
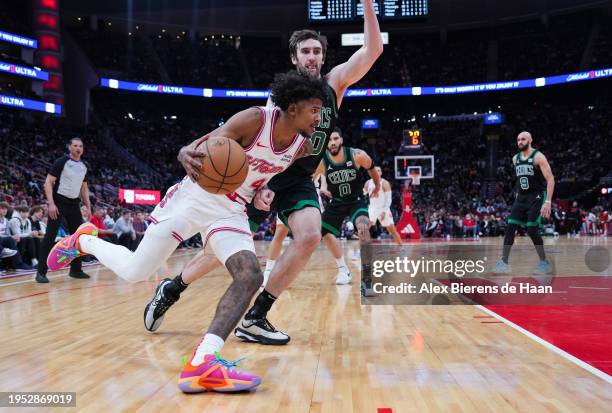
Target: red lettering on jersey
263 166
257 184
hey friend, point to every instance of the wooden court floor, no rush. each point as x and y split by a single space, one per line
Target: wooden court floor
87 336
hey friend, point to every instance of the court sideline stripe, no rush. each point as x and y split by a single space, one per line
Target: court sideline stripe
605 377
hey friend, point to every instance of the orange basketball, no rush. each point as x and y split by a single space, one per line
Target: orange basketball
224 167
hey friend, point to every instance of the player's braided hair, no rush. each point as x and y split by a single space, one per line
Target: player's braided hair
293 87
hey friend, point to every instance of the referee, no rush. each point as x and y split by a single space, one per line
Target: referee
65 183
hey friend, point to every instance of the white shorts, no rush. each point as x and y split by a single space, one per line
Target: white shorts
223 223
374 215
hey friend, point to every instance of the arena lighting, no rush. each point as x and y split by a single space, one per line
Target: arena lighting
374 92
24 71
20 40
30 104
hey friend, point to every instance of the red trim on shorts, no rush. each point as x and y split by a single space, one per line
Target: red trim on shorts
177 236
263 126
153 219
274 116
224 229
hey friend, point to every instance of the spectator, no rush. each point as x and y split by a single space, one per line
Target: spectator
139 228
38 229
604 220
469 226
20 226
98 219
573 220
9 254
124 230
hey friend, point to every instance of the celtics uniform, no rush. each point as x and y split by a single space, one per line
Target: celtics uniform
531 187
293 188
345 183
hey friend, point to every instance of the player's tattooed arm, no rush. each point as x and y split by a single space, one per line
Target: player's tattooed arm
243 127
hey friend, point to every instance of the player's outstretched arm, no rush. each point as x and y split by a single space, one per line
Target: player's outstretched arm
364 161
351 71
542 163
242 127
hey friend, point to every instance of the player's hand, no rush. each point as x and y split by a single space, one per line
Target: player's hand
263 199
34 233
16 238
545 211
375 192
53 211
191 158
326 193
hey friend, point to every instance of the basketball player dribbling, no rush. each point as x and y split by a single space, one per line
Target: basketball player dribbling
292 194
272 137
535 185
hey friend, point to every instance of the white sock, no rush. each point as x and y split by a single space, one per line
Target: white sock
209 344
135 266
340 262
270 265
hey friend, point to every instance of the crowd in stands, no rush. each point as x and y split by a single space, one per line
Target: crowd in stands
457 203
511 51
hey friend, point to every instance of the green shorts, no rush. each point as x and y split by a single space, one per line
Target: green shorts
286 201
334 215
526 209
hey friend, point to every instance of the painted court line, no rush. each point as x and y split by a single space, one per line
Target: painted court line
606 377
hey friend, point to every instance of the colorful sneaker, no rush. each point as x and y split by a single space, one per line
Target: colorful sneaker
67 249
215 374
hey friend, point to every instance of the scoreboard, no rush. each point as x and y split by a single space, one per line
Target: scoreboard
352 10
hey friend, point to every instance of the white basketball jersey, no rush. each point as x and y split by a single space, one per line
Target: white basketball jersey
264 159
379 201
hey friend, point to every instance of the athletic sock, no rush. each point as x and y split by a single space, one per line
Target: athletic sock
176 287
262 305
209 345
341 263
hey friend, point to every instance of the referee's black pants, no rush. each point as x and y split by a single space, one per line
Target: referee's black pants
70 216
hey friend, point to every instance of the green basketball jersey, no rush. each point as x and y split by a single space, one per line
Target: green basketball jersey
303 168
343 178
529 176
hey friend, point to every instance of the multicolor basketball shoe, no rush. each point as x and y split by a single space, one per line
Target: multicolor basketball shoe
216 374
67 249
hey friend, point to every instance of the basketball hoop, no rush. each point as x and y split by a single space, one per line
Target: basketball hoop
415 178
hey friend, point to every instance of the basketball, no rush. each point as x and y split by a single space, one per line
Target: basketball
224 167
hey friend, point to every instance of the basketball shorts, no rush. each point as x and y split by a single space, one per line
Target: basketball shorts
335 213
526 209
374 215
286 201
189 209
